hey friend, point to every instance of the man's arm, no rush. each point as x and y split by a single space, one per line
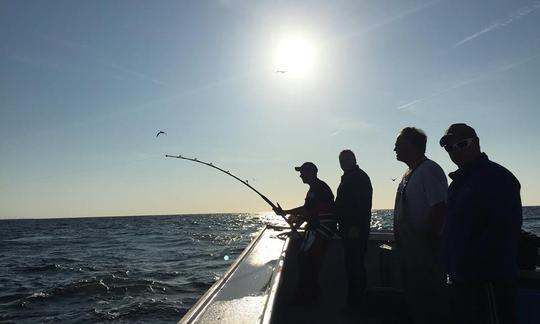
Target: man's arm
295 211
296 214
435 220
436 189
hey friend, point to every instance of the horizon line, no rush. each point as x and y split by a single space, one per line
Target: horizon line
178 215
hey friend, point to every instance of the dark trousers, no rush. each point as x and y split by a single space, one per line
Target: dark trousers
424 283
310 261
483 303
354 252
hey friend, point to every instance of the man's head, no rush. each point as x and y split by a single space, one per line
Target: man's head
308 172
461 143
410 144
347 160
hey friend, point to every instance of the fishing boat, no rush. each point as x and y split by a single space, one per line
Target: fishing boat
259 285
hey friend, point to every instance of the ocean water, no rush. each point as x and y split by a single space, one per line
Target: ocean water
149 269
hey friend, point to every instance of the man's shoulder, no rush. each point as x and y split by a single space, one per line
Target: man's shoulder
360 175
321 190
431 164
320 185
495 167
431 168
363 173
494 172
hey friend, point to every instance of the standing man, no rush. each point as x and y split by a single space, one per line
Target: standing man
481 232
318 212
418 217
353 210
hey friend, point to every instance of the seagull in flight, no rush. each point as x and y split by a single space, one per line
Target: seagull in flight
394 179
160 132
281 71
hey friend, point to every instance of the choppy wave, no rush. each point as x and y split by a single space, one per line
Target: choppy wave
126 269
115 270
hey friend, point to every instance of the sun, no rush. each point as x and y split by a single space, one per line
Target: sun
295 56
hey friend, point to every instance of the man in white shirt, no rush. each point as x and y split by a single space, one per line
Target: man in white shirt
418 217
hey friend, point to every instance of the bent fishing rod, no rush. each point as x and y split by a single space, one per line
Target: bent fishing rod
244 182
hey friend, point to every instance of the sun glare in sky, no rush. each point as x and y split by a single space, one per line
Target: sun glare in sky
295 56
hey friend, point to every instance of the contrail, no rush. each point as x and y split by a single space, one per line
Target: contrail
522 12
100 57
390 20
468 81
438 93
341 124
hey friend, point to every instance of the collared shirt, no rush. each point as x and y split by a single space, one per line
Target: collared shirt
483 223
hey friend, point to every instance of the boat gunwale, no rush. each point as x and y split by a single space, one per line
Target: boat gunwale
198 308
276 282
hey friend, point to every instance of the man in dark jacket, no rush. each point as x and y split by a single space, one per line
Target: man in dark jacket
353 209
481 232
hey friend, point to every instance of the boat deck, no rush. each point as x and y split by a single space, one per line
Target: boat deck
260 285
386 303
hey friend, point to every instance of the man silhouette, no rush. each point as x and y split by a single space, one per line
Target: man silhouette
318 212
481 232
418 216
353 210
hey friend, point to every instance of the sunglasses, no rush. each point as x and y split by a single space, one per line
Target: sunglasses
459 145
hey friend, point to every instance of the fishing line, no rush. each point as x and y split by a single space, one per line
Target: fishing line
244 182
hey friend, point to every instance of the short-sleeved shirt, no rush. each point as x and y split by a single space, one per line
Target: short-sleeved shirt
319 200
426 187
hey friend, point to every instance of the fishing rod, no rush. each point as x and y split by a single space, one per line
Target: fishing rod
244 182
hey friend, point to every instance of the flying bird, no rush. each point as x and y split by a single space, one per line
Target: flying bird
394 179
160 132
281 71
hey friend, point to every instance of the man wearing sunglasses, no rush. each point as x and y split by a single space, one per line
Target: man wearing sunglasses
481 232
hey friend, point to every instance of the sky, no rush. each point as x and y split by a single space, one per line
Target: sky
86 85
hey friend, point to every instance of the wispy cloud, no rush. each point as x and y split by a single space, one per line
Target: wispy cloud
463 83
99 57
136 74
438 93
391 19
340 125
404 14
522 12
226 3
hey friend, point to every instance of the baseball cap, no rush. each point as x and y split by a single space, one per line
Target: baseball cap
307 167
459 131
